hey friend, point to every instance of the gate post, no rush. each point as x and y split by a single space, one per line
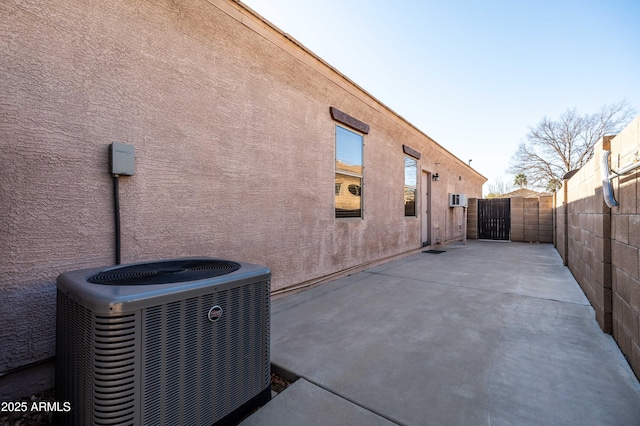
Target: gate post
565 208
472 219
517 219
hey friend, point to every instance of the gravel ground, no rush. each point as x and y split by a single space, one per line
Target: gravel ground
28 417
38 418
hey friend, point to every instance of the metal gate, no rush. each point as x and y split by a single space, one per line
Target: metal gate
494 219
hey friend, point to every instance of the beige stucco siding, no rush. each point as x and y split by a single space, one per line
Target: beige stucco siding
234 152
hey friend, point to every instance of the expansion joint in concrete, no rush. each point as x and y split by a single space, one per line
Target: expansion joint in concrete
369 409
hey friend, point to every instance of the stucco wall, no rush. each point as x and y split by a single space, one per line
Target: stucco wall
234 150
601 245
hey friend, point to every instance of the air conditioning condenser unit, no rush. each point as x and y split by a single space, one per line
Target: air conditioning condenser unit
182 341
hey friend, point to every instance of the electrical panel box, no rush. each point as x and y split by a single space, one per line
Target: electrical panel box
122 159
458 200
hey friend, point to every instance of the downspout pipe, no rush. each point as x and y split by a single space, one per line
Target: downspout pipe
607 191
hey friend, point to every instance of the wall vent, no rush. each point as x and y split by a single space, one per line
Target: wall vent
458 200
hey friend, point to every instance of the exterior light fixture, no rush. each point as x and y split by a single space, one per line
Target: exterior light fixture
436 177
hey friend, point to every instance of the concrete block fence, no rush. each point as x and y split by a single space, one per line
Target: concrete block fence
600 244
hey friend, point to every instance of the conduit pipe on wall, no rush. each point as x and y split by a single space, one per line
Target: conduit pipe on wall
121 158
607 190
116 210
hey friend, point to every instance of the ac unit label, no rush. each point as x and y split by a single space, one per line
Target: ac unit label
215 313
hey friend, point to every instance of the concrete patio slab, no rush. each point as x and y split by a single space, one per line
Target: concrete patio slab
484 334
303 403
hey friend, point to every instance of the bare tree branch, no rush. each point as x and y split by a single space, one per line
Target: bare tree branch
555 147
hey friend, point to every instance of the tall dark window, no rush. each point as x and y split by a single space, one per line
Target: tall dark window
348 184
410 188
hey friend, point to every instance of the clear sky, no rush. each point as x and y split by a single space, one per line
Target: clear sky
475 75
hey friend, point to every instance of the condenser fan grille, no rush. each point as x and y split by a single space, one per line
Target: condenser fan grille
172 271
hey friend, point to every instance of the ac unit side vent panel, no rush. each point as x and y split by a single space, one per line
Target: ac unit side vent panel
227 356
97 360
74 354
116 357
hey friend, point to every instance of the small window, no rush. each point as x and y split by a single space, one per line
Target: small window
410 188
348 184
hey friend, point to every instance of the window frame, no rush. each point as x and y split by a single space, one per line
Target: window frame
415 187
345 186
